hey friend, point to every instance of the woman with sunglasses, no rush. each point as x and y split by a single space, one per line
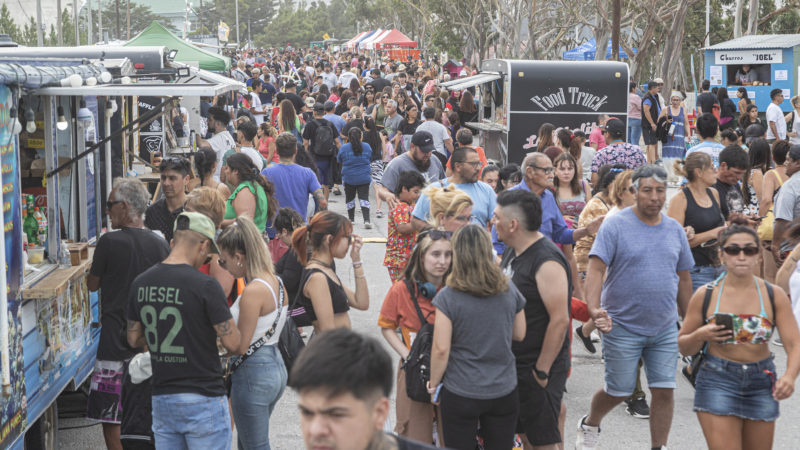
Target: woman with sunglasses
477 367
737 386
323 299
407 128
697 205
423 276
379 111
260 313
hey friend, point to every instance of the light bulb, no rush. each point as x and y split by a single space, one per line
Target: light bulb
91 81
16 127
62 123
84 115
75 80
114 106
30 121
105 77
126 80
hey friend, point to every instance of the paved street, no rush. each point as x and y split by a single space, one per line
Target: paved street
620 431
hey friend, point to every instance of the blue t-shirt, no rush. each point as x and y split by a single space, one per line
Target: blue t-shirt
710 148
355 168
641 287
553 226
484 199
267 93
293 183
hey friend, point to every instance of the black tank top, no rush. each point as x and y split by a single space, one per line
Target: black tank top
702 220
338 294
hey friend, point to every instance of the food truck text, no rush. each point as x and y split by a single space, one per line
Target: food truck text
576 97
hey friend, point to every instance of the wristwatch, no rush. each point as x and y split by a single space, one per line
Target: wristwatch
541 374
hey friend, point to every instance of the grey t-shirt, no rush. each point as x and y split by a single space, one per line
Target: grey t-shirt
439 133
403 163
391 124
787 205
481 364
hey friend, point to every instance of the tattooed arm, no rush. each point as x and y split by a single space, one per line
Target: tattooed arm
135 335
228 333
319 196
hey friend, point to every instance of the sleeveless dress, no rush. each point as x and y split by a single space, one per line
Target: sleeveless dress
675 147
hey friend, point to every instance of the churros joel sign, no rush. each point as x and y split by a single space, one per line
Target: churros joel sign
754 56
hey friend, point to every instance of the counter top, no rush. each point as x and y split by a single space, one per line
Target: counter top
57 281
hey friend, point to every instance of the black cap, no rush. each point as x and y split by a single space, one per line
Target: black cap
319 107
753 131
329 106
794 152
290 84
423 140
615 127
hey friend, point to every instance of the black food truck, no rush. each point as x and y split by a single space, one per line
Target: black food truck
517 96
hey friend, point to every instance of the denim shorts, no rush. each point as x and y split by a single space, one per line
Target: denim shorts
186 421
622 350
702 275
727 388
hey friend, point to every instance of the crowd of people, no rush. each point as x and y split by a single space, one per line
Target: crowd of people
202 289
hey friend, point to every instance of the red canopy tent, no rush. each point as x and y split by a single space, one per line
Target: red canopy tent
394 39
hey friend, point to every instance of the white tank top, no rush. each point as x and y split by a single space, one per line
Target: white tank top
264 322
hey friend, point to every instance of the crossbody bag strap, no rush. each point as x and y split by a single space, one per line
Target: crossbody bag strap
413 293
267 336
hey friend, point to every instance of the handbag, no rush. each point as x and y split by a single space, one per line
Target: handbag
418 364
231 367
290 344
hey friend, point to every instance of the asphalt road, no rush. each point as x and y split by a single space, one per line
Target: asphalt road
619 430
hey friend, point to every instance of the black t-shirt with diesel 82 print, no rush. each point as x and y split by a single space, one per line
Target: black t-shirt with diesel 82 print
178 307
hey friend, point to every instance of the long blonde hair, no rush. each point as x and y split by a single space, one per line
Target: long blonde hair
473 270
448 201
617 189
243 237
206 201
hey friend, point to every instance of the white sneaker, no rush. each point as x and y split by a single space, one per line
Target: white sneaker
368 225
587 436
595 336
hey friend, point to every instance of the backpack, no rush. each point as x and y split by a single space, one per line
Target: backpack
323 144
418 364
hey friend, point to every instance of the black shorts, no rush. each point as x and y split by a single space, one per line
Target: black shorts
539 406
648 134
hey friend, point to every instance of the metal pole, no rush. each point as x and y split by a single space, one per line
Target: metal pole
128 17
107 132
75 19
39 33
58 23
237 23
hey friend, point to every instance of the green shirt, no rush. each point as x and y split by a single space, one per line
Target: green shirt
260 216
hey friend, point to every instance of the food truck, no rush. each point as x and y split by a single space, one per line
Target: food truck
515 97
759 63
59 119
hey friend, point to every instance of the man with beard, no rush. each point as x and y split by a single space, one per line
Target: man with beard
160 216
466 169
417 158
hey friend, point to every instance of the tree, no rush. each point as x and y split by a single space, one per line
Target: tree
7 25
141 17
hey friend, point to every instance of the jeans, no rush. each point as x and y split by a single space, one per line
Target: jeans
256 387
622 350
702 275
634 130
461 416
189 421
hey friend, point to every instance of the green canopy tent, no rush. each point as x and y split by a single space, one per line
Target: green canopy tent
156 34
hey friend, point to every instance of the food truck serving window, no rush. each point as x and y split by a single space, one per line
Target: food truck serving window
751 67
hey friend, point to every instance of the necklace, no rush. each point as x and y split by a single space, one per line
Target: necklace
322 263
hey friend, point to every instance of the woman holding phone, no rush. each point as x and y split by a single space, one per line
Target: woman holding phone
738 387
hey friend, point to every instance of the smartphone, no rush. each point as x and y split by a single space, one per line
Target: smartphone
724 320
757 219
436 394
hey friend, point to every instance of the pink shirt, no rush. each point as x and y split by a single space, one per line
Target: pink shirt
596 137
634 106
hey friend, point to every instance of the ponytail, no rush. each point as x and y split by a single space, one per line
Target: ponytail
354 136
313 235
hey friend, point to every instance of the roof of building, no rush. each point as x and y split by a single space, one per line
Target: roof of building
760 41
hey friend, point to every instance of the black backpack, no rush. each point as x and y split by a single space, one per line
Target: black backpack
418 364
323 144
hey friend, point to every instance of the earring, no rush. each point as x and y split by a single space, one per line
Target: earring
239 263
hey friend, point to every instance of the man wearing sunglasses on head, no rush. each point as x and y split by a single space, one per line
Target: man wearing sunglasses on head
120 257
160 216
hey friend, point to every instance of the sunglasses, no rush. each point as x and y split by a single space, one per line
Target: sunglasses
110 204
435 235
733 250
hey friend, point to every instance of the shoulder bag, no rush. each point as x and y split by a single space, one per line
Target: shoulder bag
765 227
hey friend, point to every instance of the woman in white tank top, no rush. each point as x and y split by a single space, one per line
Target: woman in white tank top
260 313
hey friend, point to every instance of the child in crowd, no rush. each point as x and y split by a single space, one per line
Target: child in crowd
401 231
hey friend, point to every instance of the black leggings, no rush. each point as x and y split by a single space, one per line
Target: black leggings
350 191
461 416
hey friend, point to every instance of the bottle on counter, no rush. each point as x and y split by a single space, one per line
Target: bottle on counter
41 222
30 227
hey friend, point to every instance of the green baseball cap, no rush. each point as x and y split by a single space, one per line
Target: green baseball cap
199 223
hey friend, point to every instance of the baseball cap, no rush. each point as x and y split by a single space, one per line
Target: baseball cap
658 80
199 223
318 107
753 131
402 68
423 140
290 84
310 101
614 126
651 84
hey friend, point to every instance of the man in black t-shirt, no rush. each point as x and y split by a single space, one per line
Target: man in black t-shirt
343 381
179 313
706 100
733 165
310 142
541 273
291 95
160 216
120 256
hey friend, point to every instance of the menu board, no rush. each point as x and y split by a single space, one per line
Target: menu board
12 411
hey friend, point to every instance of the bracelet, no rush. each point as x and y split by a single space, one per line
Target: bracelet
358 263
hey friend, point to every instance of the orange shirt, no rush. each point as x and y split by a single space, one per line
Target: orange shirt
398 311
481 155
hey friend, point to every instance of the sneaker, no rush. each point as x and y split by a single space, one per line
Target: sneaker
379 214
777 341
587 437
687 374
368 225
336 191
587 341
638 408
595 335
